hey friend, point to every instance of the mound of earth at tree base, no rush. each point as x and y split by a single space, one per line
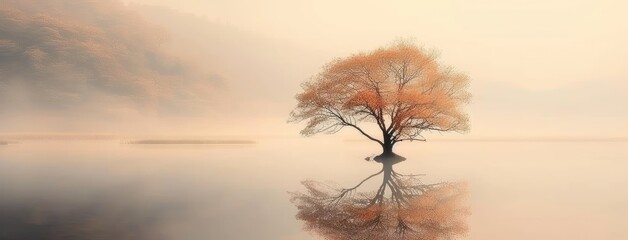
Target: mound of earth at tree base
392 158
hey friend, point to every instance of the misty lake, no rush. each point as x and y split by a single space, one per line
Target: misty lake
108 190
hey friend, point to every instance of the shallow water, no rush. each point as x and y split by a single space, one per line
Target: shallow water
108 190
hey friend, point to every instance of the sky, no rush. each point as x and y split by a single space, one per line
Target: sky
537 68
533 44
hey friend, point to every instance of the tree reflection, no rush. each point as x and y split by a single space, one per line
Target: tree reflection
411 210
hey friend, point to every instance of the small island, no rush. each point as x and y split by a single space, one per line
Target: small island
166 141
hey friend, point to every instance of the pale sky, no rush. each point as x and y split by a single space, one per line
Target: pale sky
537 68
532 63
533 44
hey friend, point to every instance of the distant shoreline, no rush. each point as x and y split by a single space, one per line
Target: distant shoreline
56 136
209 142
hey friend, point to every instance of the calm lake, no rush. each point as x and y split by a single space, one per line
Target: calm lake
108 190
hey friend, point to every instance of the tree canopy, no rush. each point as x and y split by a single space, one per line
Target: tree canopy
400 88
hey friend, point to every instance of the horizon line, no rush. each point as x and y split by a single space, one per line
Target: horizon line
106 135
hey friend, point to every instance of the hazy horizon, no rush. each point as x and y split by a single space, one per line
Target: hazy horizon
187 119
222 68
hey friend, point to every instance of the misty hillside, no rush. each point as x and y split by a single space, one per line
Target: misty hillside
106 62
64 54
253 67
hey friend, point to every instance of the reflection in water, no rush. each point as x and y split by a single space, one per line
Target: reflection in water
107 190
413 210
97 216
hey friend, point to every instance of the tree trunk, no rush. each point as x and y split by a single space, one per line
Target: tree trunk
387 146
388 156
387 149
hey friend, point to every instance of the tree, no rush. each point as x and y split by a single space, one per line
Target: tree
400 88
413 211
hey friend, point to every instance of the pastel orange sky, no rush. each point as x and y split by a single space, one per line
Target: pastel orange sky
537 68
565 54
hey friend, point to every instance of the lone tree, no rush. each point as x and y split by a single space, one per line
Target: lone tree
400 88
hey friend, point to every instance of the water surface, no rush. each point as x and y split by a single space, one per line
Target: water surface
107 190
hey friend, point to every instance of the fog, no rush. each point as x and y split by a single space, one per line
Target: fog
167 119
85 66
538 69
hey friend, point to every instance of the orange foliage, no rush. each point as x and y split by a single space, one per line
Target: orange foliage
430 212
438 212
400 88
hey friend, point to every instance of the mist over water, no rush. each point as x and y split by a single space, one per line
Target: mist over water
166 119
108 190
